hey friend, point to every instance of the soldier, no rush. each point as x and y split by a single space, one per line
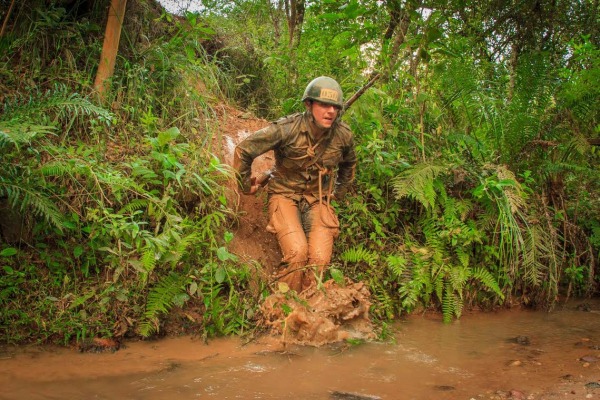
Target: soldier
315 162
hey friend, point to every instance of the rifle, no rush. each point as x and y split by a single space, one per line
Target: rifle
266 176
362 90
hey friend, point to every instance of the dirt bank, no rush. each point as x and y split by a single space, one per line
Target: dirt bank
251 241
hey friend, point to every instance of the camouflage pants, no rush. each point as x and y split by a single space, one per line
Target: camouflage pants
305 231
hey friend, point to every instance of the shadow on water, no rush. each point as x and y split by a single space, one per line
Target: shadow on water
507 354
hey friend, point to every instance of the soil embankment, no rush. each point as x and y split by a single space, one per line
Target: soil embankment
251 241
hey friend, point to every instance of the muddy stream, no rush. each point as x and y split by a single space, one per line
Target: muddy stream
506 354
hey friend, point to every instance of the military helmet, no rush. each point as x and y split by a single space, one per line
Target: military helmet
325 90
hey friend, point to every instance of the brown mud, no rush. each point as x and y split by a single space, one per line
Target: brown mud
321 315
510 354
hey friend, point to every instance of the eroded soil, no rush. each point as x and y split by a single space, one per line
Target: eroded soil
251 241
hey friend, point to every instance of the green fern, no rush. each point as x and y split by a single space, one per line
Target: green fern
418 288
439 283
20 113
448 303
17 132
358 255
488 281
463 256
148 258
23 197
418 183
540 263
397 265
134 205
385 305
458 277
23 183
164 295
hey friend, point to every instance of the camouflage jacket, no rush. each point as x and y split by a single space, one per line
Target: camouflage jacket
299 158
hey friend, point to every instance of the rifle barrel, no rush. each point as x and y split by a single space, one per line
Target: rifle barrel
360 92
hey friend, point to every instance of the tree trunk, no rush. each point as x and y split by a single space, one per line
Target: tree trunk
401 29
276 12
294 10
395 11
106 67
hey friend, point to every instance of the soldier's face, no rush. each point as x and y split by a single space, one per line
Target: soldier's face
324 114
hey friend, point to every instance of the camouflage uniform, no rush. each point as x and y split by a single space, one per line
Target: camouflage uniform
307 172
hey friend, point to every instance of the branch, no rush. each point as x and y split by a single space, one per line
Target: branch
594 142
12 4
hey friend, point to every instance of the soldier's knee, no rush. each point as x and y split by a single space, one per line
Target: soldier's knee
296 252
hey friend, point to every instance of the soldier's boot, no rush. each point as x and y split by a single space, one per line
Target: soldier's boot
295 250
292 275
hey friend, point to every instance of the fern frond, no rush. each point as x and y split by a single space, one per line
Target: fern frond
433 241
419 286
448 303
360 254
178 246
133 205
74 106
458 277
409 294
513 193
464 207
396 264
19 132
540 262
458 305
487 280
148 258
56 168
161 298
463 256
24 198
438 283
418 183
452 304
379 293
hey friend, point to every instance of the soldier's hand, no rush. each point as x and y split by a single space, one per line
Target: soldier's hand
253 189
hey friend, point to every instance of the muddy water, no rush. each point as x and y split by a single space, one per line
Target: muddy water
475 358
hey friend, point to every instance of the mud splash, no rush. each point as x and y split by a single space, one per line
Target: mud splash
321 315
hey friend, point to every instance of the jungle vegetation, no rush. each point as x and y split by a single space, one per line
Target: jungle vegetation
478 184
